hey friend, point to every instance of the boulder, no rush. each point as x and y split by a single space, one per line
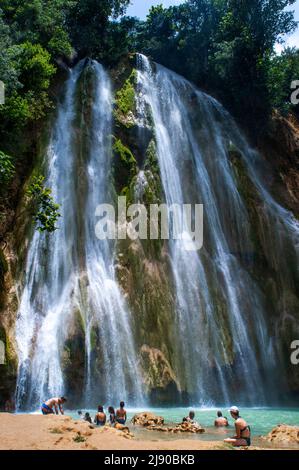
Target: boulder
191 428
284 434
147 419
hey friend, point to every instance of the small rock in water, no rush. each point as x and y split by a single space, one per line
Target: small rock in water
147 419
156 423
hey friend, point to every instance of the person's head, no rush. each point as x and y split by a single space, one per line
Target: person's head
111 410
234 411
191 415
86 415
63 399
219 414
100 409
122 404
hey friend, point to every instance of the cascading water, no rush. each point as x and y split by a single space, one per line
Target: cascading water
224 349
70 277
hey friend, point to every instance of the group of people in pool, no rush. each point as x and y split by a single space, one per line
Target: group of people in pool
242 437
100 419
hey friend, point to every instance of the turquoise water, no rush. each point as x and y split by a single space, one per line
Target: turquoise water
261 420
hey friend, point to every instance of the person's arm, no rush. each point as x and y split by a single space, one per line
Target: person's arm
105 418
61 409
125 416
56 408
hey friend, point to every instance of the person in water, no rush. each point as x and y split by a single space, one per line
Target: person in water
87 418
121 414
243 431
221 421
100 417
111 412
52 404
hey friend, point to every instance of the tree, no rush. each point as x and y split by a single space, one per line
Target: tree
39 22
248 32
88 24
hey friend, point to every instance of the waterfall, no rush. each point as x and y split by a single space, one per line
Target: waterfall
70 283
224 347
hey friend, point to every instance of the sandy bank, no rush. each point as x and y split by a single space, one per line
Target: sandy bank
36 432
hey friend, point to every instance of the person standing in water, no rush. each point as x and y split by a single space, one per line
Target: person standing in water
121 414
52 404
243 431
221 421
100 417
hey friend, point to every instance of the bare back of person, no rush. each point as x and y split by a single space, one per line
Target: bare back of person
55 403
243 434
221 422
121 415
100 418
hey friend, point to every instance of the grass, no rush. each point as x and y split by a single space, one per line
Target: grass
56 431
79 438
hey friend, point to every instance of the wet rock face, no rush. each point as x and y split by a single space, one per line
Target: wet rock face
159 378
284 435
147 419
142 265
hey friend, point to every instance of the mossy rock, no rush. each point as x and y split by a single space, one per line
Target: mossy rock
125 102
124 167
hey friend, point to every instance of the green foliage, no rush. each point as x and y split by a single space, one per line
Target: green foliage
43 207
88 23
283 69
225 47
79 438
125 166
123 152
39 22
125 100
7 170
30 68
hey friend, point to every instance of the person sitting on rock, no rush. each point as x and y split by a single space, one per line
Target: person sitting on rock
56 403
243 431
100 417
87 418
111 412
190 418
221 421
121 414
